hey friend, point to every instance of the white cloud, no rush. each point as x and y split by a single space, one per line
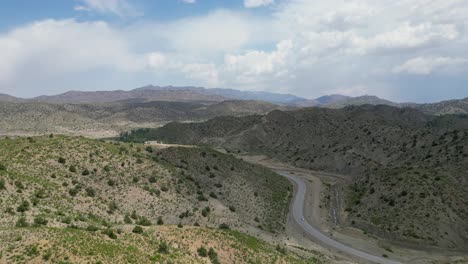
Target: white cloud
425 66
257 3
189 1
120 8
306 47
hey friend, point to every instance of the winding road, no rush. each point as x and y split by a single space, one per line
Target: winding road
298 215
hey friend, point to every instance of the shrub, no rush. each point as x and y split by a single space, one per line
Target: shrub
106 168
85 172
206 211
90 192
160 221
137 230
164 189
144 221
23 207
2 167
232 208
127 219
202 252
213 256
92 228
72 168
152 179
180 225
281 249
163 248
2 184
73 192
149 149
110 233
40 221
111 183
213 195
202 198
22 222
62 160
223 226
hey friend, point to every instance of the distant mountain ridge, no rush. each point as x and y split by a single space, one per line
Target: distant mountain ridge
215 95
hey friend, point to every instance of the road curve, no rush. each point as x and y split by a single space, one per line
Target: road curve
298 215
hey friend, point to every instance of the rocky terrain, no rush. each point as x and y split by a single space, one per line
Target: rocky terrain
408 170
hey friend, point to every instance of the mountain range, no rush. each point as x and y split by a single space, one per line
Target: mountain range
216 95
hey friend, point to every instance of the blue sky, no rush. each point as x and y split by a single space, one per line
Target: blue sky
406 50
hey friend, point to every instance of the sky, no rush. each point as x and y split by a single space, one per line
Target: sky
402 50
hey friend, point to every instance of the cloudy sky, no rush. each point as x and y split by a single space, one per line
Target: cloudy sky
403 50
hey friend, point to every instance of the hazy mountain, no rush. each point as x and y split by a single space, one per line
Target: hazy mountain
9 98
35 117
276 98
408 169
445 107
76 97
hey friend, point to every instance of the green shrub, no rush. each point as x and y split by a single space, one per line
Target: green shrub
90 192
223 226
160 221
23 207
40 221
213 195
62 160
163 248
144 221
106 168
202 252
92 228
110 233
127 219
232 208
72 168
213 256
22 222
149 149
2 184
137 230
2 167
85 172
152 179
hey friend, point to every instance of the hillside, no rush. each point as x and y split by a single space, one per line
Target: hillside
109 119
68 189
408 170
445 107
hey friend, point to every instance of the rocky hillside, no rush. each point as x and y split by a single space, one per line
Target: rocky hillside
408 169
56 190
29 117
159 244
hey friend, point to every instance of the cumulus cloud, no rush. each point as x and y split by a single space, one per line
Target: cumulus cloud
425 66
257 3
304 47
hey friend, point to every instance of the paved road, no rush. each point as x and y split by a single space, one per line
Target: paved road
298 215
